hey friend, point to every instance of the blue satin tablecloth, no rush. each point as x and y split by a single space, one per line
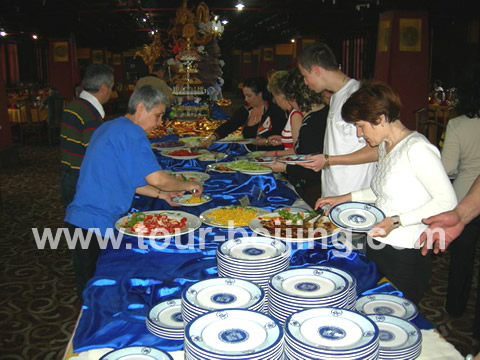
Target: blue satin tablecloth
130 280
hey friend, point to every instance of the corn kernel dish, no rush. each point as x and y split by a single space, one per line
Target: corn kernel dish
227 216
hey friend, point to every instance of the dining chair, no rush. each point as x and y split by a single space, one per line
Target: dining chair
431 128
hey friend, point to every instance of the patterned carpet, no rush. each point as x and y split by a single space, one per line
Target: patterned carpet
38 304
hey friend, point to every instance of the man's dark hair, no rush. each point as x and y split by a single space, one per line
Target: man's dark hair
318 54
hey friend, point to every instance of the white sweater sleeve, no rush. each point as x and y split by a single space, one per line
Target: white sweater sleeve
432 175
365 195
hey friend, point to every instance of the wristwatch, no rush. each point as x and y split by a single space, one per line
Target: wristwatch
326 164
396 221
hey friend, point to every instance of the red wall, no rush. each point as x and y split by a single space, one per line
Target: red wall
63 75
5 132
405 71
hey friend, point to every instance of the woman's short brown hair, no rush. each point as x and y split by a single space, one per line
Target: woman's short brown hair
373 99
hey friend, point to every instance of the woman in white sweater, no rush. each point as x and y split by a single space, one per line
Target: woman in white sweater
410 183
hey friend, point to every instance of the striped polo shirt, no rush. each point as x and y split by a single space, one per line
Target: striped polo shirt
79 120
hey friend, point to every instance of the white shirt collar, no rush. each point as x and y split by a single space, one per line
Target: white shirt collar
94 101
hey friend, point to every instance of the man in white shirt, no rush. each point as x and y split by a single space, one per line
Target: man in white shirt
321 72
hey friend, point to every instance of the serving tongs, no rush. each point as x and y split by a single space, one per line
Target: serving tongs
312 218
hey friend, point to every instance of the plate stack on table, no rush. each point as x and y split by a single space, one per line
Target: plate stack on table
330 333
386 304
165 320
220 293
255 259
399 338
293 290
352 289
137 352
234 334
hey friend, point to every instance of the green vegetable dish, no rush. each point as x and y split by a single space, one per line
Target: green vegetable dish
134 218
246 165
294 216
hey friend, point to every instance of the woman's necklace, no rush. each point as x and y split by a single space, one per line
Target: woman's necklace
404 132
255 115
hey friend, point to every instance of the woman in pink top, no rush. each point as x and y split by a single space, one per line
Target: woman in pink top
276 86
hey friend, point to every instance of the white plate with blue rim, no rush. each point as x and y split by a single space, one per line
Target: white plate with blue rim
356 216
221 293
294 159
396 334
309 283
137 353
332 329
252 248
386 304
167 314
234 332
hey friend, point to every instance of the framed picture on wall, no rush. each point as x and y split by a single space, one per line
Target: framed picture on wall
383 35
97 56
247 57
410 35
60 51
268 54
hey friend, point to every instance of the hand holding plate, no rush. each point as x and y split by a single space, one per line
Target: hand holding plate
276 166
383 228
332 201
316 165
169 195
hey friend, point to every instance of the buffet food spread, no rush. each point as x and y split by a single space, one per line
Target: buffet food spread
201 128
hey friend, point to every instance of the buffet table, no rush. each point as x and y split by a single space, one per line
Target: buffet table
133 277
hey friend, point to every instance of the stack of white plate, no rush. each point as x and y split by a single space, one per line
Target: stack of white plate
305 288
330 333
220 293
399 338
352 280
137 352
255 259
165 320
233 334
386 304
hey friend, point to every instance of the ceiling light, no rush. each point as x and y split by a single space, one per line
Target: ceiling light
292 40
3 33
144 19
224 21
34 37
240 6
